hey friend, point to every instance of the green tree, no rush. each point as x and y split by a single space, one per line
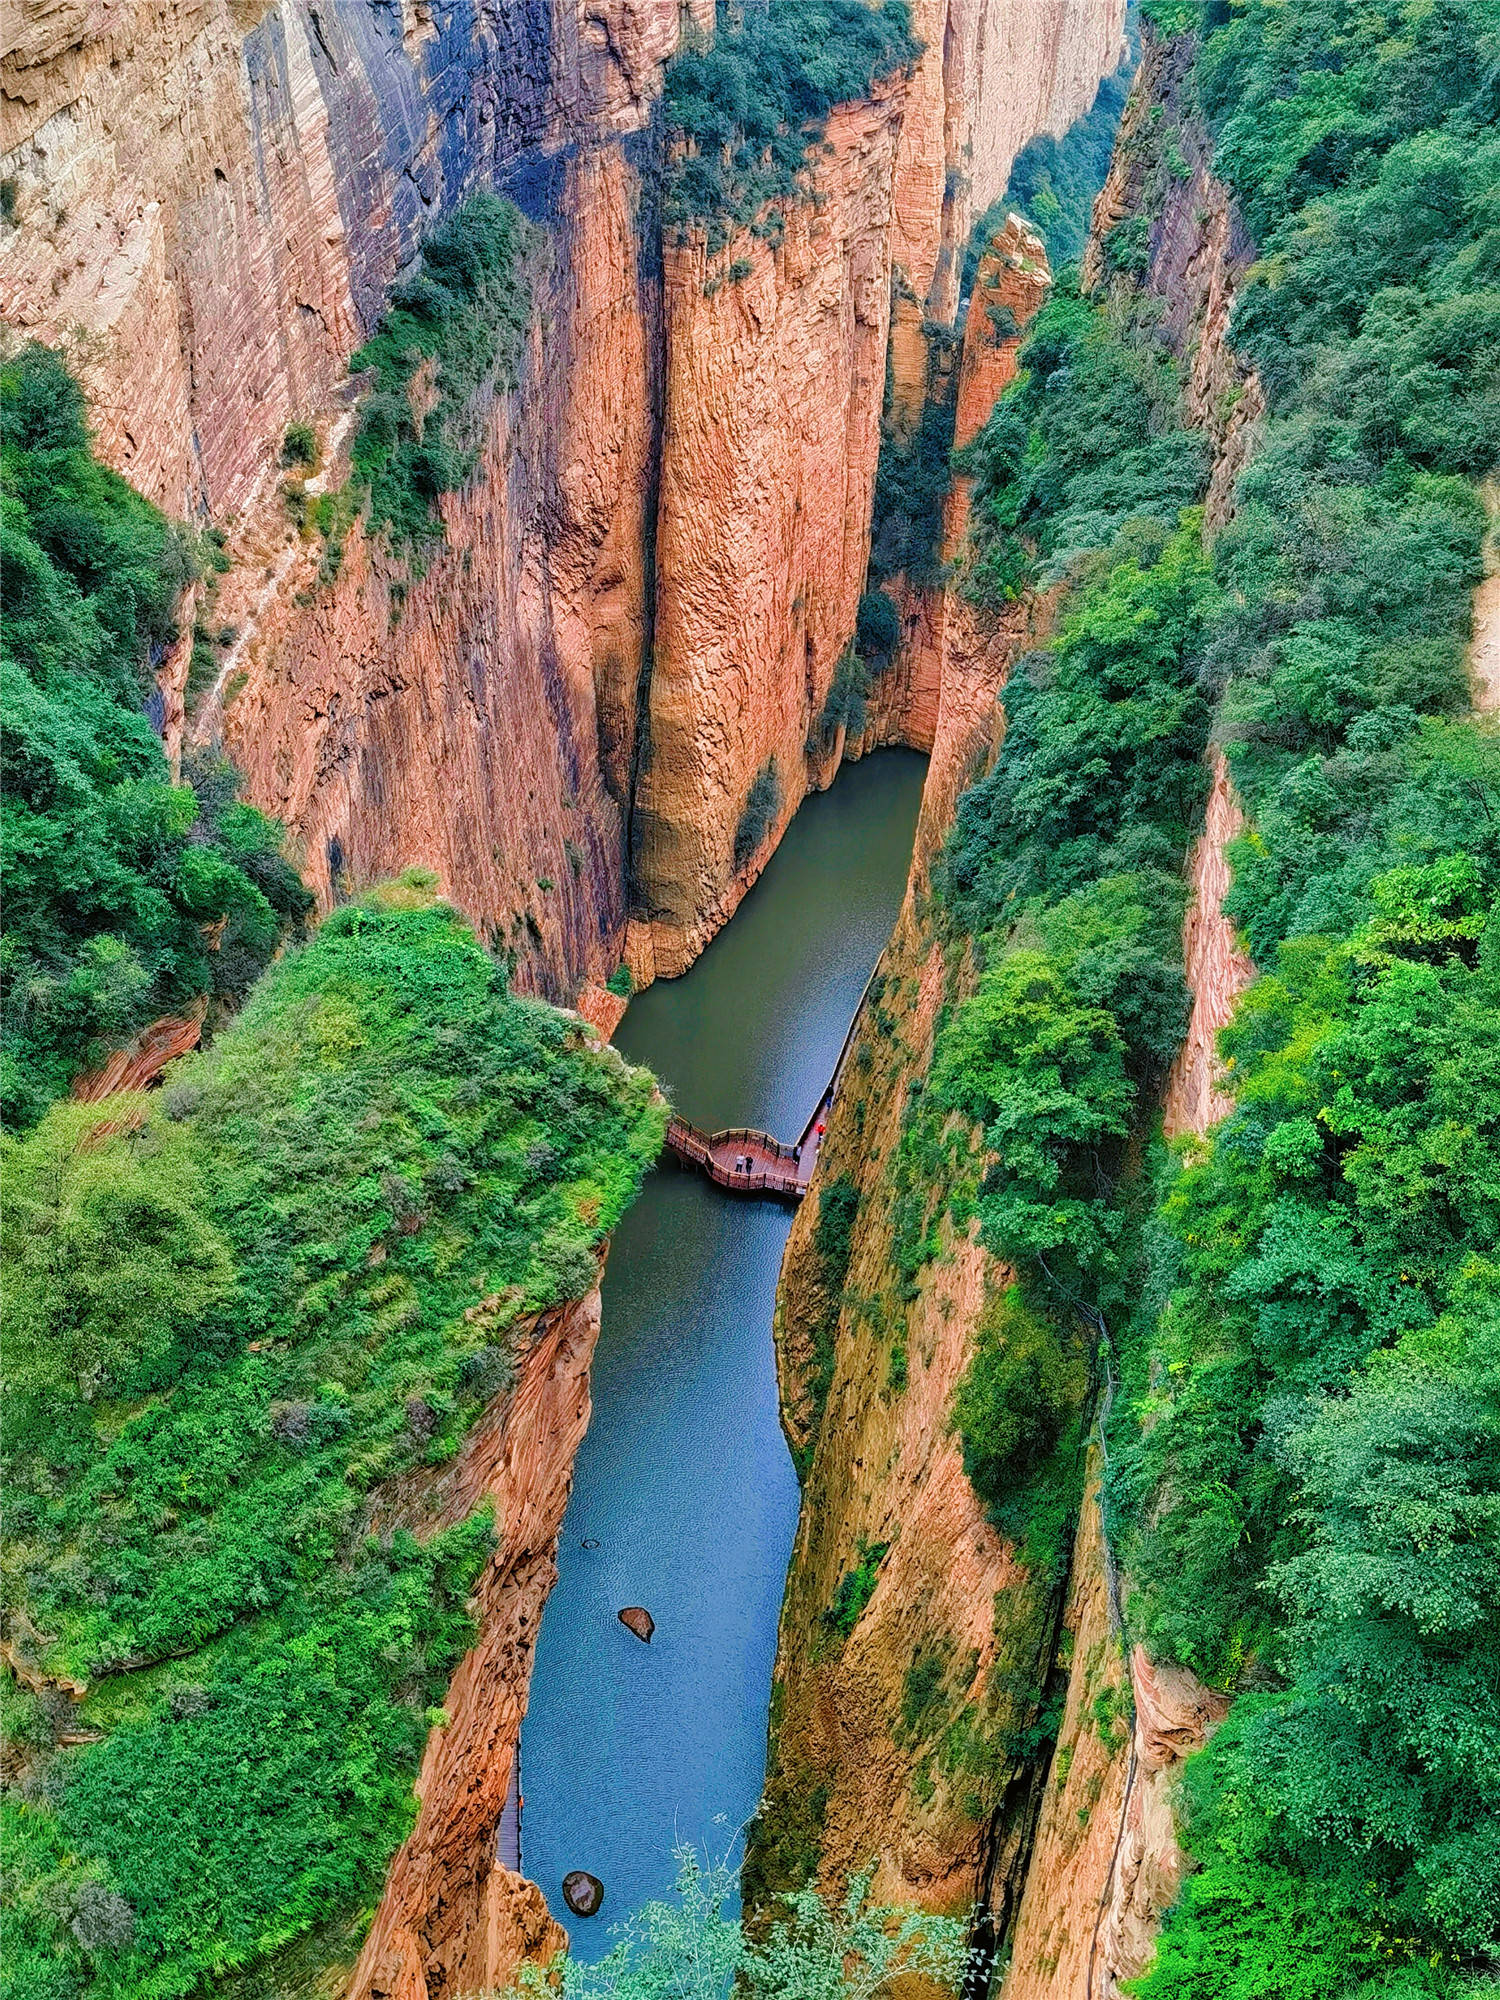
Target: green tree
1045 1077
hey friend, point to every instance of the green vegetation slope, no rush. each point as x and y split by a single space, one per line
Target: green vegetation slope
234 1311
1306 1308
126 896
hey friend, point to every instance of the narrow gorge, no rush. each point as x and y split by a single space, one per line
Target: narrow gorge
955 544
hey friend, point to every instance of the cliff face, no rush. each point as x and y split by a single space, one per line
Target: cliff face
453 1919
770 439
942 640
482 723
892 1740
990 79
211 204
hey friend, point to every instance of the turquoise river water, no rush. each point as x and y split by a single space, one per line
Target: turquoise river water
684 1498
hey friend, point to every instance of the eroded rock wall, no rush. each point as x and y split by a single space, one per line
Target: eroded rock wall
211 202
481 723
771 435
453 1919
991 78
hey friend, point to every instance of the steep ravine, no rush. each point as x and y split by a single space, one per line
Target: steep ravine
563 718
905 1741
231 195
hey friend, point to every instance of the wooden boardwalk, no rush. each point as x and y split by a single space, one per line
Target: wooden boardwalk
740 1159
508 1833
749 1162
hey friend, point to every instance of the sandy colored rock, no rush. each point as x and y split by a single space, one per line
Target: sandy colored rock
1217 970
771 436
991 78
1056 1936
635 1619
143 1057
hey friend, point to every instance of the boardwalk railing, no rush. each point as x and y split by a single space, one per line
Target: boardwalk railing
751 1162
772 1168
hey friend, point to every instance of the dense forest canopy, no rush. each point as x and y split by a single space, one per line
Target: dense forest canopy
1306 1306
126 895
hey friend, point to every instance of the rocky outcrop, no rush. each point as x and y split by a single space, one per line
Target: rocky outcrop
453 1919
143 1057
943 641
990 79
1198 250
1217 970
771 435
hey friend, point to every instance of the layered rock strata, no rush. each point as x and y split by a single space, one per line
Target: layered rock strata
208 205
771 435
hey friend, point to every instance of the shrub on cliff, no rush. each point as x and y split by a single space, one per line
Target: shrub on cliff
762 804
450 337
295 1273
126 895
745 109
1021 1391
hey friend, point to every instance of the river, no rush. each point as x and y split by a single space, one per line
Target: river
684 1498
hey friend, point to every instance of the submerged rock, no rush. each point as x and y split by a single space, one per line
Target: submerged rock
582 1892
638 1621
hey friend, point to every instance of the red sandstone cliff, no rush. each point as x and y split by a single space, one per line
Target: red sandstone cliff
210 203
453 1919
771 434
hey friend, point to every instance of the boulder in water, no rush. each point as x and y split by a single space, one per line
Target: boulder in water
636 1620
582 1892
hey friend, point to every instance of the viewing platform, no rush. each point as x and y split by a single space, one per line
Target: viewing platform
743 1160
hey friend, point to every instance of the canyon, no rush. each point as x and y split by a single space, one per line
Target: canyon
641 602
208 205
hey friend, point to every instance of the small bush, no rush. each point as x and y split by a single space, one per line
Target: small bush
116 879
458 326
299 446
856 1588
762 804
